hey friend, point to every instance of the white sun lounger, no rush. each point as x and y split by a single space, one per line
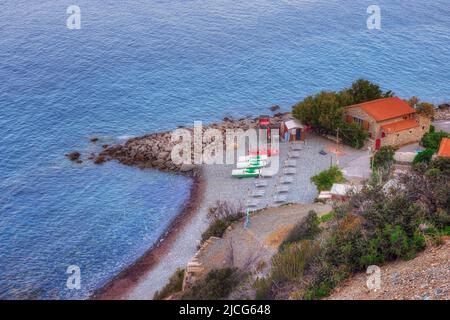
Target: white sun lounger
287 180
268 172
290 171
290 163
294 154
258 193
261 184
296 146
280 198
283 189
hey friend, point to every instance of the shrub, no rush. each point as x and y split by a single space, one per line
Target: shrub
423 156
263 288
326 217
325 179
306 229
215 229
291 263
222 215
384 157
175 285
432 140
217 284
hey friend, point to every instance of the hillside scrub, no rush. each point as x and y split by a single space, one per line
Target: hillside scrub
373 227
174 285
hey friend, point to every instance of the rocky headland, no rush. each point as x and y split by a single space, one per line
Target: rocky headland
154 150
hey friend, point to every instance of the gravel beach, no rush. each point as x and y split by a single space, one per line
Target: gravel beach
217 184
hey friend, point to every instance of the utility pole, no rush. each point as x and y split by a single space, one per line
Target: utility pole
337 146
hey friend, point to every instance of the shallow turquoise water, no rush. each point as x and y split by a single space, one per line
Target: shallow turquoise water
143 66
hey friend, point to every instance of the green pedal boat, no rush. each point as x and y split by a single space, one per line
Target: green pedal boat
245 173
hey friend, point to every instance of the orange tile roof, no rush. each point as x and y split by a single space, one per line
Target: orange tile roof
400 126
444 149
387 108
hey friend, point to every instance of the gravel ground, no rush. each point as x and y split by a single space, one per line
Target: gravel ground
427 277
221 186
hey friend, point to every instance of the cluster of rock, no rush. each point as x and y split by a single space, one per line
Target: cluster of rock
442 112
154 150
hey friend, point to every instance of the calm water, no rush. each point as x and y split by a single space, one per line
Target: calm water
142 66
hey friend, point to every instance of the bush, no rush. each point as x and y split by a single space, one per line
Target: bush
325 179
263 288
222 215
384 157
290 264
423 156
432 140
217 284
215 229
305 229
326 217
175 285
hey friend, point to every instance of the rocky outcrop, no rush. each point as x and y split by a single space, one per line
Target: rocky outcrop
154 150
442 112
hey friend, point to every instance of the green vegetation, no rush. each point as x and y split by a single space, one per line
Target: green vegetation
290 263
175 285
306 229
222 215
432 140
373 227
326 217
384 158
325 111
217 284
423 156
423 108
325 179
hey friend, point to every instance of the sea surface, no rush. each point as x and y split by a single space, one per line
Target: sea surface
141 66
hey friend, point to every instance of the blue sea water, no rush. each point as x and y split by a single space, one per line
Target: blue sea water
146 65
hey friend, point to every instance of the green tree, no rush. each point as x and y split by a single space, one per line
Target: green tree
384 157
363 91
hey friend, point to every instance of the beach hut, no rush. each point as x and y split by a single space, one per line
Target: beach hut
292 130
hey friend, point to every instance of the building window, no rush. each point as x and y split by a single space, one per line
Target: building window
423 127
383 134
358 121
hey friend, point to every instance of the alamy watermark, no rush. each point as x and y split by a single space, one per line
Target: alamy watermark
374 20
73 22
74 280
212 146
374 279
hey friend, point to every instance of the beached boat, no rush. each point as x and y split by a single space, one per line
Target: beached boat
251 164
245 173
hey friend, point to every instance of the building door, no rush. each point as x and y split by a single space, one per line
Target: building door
377 144
298 134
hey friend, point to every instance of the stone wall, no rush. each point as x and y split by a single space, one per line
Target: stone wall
404 137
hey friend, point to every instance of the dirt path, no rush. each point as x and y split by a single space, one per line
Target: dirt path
253 247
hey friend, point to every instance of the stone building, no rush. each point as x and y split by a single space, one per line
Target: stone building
389 122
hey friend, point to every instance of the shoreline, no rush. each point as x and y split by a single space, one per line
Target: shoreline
118 287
